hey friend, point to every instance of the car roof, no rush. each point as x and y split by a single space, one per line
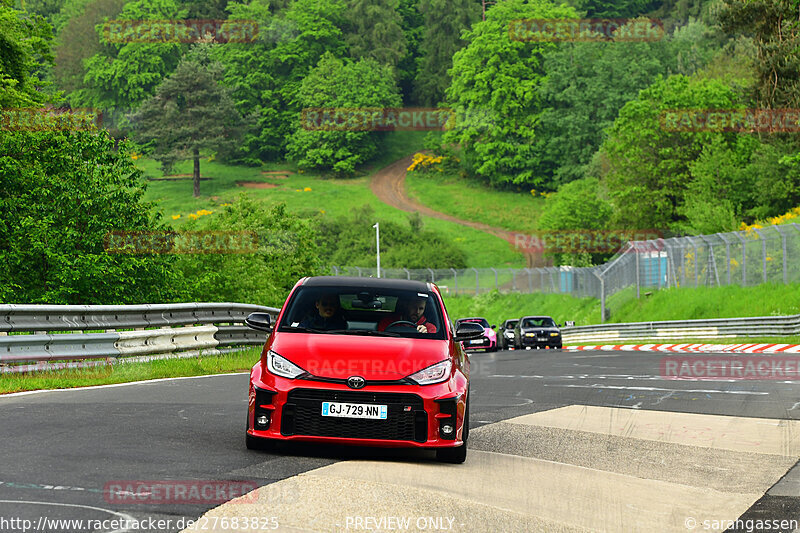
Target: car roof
536 316
367 283
471 318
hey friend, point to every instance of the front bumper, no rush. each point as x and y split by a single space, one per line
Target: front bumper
415 414
485 343
540 342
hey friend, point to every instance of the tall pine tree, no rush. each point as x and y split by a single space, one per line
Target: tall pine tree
373 29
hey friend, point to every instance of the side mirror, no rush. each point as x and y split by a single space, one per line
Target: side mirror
259 321
494 326
468 330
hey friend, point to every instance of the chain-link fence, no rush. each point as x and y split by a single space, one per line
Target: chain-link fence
746 258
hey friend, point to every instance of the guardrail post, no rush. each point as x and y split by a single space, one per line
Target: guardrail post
514 279
496 286
477 282
408 274
433 278
455 280
359 271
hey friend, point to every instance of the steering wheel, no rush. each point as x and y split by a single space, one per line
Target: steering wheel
403 323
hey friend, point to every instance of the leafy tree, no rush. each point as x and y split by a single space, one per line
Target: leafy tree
286 251
445 20
77 41
646 166
588 83
776 30
614 8
408 68
341 84
45 8
373 29
265 76
499 78
576 206
24 48
190 112
350 241
124 74
61 192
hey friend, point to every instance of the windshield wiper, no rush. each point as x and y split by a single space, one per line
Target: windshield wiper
364 332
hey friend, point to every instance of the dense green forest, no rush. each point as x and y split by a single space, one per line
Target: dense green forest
583 120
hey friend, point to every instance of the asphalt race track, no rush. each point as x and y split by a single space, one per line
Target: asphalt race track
560 441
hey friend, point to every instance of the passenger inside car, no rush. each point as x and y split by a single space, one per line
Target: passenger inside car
409 312
327 314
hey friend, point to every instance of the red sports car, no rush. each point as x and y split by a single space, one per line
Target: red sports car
362 361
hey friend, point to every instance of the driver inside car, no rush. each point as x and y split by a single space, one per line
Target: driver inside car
409 311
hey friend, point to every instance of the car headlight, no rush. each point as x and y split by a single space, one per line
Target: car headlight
280 366
554 334
433 374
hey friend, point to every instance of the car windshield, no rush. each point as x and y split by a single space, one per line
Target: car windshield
339 310
538 322
482 321
511 324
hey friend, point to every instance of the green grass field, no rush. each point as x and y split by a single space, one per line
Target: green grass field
307 194
667 304
240 361
469 200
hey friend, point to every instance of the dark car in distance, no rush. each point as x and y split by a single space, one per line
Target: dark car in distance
505 336
537 332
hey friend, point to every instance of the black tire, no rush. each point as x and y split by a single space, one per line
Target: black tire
456 455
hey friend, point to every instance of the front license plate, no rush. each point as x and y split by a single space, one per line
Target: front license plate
354 410
476 341
542 339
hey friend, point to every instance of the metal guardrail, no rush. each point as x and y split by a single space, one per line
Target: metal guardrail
35 333
717 328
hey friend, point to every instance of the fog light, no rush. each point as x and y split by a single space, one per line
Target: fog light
262 420
447 429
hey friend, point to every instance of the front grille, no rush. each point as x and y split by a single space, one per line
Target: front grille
302 415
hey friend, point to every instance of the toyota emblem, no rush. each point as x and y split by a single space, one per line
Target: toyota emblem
356 382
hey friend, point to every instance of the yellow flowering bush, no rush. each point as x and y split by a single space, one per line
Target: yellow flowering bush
426 162
789 216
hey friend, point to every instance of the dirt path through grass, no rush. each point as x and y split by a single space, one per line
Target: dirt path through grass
389 185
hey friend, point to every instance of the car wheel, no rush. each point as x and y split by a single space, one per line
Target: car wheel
560 347
456 455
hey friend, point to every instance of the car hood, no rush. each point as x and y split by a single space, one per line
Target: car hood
373 358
